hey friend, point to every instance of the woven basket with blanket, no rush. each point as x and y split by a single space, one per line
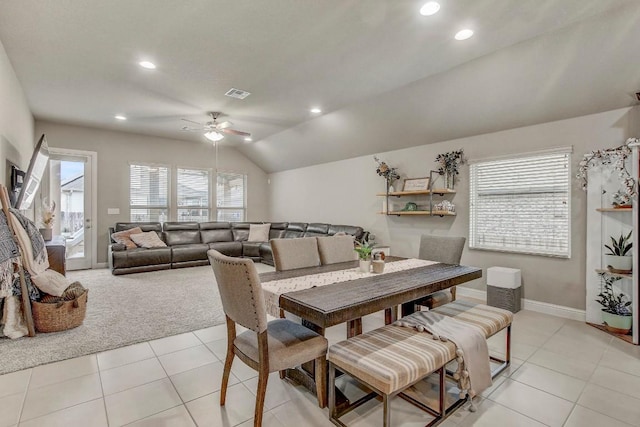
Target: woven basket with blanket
54 314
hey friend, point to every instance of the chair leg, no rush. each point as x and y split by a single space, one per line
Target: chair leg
263 378
321 381
453 293
332 392
225 376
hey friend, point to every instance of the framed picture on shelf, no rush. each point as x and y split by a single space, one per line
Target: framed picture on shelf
415 184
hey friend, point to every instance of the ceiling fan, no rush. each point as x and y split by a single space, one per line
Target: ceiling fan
213 130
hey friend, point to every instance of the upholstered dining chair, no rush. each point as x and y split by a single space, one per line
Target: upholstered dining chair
334 249
445 249
264 346
289 254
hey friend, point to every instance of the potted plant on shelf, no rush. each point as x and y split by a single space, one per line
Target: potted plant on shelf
616 314
619 260
364 255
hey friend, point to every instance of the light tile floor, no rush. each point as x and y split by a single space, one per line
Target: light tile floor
564 373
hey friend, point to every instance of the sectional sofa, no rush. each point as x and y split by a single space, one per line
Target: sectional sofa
188 243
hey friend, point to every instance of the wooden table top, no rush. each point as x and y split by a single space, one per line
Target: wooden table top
341 302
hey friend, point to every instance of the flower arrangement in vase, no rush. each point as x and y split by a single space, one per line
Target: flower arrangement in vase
450 166
387 172
48 217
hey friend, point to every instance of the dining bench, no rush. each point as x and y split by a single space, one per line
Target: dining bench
488 320
388 360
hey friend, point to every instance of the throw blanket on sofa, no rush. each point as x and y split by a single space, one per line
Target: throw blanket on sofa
474 371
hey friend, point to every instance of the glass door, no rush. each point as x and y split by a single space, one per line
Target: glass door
70 188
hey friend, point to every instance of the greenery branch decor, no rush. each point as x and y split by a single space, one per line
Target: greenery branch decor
615 157
450 162
364 250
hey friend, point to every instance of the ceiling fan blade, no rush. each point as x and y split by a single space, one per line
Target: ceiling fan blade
224 124
235 132
191 121
189 129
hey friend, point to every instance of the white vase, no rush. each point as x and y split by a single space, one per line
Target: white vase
47 233
616 323
365 265
619 263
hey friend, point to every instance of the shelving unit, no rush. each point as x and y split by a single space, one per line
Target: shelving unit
430 192
604 221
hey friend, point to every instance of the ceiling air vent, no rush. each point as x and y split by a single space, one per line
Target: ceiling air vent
237 93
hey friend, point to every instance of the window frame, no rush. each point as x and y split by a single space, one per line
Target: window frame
473 239
244 196
176 208
167 208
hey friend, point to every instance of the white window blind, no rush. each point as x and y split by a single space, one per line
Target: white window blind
522 204
148 192
193 194
231 196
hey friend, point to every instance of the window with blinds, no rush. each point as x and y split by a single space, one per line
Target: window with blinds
193 194
231 196
522 204
148 193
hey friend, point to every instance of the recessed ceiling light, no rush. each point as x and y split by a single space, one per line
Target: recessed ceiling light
316 110
120 117
248 139
464 34
430 8
148 65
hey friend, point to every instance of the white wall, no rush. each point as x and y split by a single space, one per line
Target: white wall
115 151
343 192
16 121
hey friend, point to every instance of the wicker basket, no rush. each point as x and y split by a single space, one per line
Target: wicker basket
59 316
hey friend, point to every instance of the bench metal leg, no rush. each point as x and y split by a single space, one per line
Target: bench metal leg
504 364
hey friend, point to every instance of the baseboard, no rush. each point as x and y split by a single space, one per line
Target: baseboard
527 304
100 265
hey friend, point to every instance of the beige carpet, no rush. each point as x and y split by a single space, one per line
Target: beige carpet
124 310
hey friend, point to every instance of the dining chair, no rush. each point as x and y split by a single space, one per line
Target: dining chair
265 346
444 249
300 252
334 249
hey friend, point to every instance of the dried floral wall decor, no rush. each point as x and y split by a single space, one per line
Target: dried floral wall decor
617 158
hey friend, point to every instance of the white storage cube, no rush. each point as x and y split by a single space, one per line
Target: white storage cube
503 277
503 288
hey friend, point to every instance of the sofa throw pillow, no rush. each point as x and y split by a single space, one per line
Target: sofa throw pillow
124 237
259 232
51 282
148 240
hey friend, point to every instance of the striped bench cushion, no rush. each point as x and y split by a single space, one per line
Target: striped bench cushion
487 319
391 358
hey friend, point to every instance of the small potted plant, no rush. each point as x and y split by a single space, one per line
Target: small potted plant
364 255
619 259
616 314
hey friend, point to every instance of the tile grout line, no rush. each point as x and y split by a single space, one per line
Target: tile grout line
24 397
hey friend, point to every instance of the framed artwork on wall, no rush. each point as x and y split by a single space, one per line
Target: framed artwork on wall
415 184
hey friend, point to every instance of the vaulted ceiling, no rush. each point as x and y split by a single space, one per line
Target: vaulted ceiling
385 76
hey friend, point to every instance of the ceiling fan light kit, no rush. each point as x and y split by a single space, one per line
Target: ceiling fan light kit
213 130
213 136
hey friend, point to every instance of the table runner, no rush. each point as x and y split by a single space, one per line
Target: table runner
274 288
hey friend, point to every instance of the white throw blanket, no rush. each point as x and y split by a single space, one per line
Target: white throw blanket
474 371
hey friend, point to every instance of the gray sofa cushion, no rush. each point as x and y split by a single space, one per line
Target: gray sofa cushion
191 252
316 229
181 233
140 257
215 232
227 248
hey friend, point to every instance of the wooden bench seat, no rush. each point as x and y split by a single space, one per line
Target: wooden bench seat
488 320
388 360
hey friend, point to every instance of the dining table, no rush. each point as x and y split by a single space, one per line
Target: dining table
332 294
